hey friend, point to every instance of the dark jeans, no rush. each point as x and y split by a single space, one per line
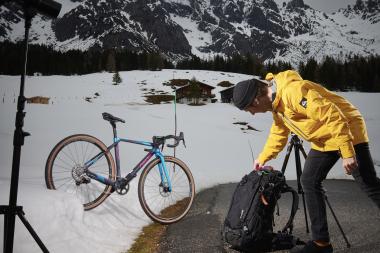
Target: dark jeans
317 166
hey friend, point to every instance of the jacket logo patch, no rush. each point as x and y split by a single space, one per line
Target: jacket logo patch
303 102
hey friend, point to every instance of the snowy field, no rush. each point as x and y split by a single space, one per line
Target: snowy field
217 150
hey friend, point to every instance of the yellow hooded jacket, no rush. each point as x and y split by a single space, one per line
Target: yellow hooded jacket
315 114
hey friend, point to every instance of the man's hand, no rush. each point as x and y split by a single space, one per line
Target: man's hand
257 165
350 164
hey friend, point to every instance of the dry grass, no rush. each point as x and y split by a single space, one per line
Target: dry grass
158 99
178 207
179 82
149 239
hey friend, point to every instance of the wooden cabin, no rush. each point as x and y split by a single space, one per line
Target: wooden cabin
227 94
184 93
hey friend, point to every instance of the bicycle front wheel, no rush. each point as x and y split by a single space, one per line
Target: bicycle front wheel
157 201
65 170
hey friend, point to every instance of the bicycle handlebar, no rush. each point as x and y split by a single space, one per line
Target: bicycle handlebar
177 139
160 140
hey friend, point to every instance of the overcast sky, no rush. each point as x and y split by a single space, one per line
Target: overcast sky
328 6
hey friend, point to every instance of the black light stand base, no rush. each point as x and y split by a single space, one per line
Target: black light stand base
7 210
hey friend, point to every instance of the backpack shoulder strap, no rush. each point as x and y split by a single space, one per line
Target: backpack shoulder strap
289 225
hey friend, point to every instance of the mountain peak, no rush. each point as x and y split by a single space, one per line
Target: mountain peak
367 10
296 4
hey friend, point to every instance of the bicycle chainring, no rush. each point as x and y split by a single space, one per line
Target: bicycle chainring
122 187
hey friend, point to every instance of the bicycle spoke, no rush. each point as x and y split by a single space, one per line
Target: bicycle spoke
71 153
70 165
178 178
85 159
65 169
76 152
69 180
81 146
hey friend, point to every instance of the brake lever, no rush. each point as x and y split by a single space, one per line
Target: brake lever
182 137
177 139
162 146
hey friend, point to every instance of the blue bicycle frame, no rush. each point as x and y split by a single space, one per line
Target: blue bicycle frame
153 150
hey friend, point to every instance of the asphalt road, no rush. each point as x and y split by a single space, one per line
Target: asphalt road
199 231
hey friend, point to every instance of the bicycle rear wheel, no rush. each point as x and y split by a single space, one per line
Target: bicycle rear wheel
65 171
160 204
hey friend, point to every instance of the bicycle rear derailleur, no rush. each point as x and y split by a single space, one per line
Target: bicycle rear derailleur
121 186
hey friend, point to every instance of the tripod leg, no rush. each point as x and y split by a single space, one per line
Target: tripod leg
303 151
32 232
288 151
300 189
304 209
5 232
337 222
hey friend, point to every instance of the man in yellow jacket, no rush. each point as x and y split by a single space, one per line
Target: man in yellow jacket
335 128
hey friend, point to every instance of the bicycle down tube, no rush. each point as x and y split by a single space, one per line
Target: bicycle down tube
154 151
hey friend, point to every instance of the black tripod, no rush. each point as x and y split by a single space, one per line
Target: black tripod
30 8
297 144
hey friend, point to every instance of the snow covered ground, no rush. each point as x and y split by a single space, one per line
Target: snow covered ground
217 150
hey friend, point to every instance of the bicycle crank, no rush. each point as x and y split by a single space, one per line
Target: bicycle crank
122 187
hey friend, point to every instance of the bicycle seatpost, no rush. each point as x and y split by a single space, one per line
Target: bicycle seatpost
114 130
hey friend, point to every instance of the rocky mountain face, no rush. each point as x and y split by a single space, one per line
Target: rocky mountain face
179 28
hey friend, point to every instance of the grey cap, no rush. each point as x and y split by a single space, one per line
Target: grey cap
244 93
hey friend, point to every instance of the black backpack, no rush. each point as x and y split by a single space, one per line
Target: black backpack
249 222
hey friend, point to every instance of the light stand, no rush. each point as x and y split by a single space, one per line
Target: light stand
297 144
30 7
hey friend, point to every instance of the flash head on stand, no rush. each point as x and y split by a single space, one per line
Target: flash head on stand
47 8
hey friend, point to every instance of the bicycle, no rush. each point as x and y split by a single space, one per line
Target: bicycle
83 165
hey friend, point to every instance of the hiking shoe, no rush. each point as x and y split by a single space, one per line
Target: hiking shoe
311 247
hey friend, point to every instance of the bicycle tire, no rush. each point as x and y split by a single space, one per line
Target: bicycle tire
165 214
56 156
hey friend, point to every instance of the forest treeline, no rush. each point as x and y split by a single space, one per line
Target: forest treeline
47 61
354 73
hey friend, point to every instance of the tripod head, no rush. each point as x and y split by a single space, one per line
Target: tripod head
47 8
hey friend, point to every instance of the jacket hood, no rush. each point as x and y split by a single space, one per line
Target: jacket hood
282 79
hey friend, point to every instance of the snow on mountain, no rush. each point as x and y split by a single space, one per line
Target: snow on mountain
338 34
281 30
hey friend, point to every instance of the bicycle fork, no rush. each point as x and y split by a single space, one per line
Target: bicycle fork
164 173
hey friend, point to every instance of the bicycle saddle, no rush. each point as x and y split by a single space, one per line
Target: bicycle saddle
110 118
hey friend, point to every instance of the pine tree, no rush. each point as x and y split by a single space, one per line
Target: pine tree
195 91
309 72
116 79
111 61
